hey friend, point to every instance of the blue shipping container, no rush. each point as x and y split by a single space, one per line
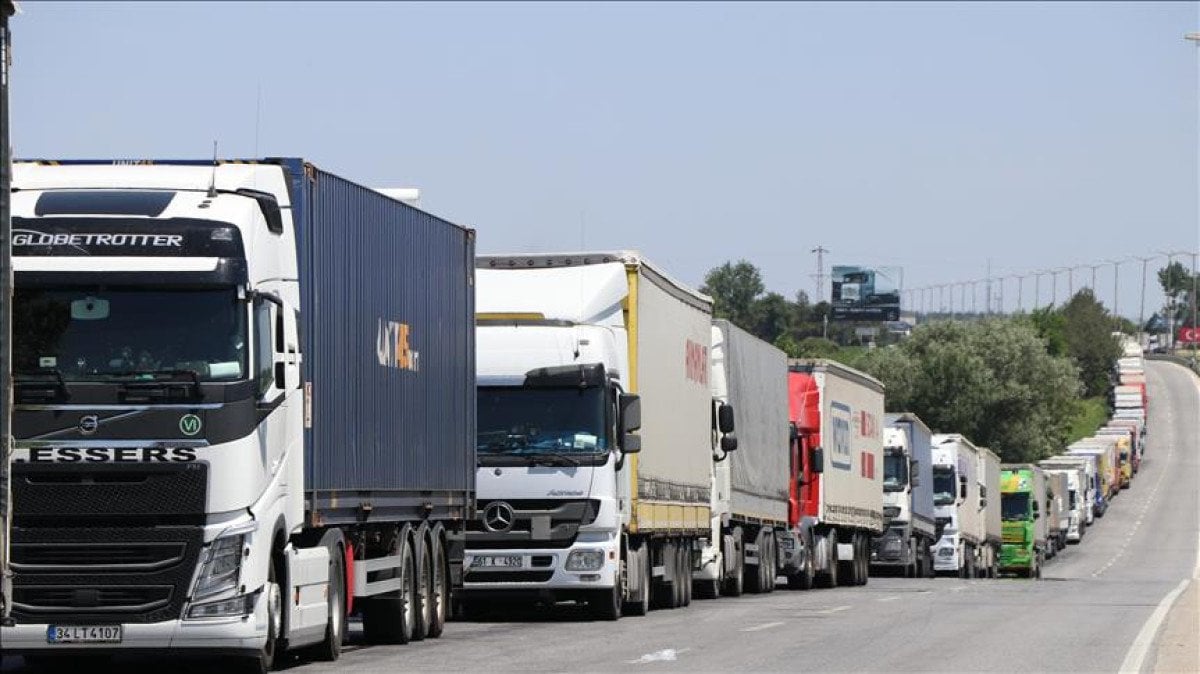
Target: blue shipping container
388 331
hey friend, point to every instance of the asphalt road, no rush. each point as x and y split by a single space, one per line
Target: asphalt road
1104 605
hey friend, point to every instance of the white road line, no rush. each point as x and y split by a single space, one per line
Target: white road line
1136 656
891 598
764 626
835 609
665 655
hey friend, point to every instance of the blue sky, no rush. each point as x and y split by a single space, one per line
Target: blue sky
928 136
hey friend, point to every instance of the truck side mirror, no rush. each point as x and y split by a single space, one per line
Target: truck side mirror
793 432
725 418
914 479
816 460
630 406
728 442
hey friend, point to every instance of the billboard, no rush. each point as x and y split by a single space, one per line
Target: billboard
865 293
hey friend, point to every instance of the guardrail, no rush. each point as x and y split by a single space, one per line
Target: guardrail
1189 362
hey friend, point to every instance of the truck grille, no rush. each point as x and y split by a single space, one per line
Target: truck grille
537 524
53 601
135 574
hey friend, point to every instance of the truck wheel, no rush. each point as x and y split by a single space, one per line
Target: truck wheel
680 577
662 592
804 579
440 594
735 583
829 577
605 604
848 570
388 619
685 554
264 661
424 589
864 550
754 577
772 563
640 604
330 649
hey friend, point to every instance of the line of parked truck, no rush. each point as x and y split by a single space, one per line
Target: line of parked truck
254 398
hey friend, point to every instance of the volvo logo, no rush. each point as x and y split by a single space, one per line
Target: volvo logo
498 517
88 424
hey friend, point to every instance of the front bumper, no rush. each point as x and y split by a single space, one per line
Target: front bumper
542 571
1016 556
241 635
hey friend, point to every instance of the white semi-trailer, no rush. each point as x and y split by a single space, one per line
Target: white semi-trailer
987 561
751 542
575 352
907 498
956 495
245 408
837 497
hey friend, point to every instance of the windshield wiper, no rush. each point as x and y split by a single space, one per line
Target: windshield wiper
21 379
559 459
148 389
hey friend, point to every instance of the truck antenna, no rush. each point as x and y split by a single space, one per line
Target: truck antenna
212 183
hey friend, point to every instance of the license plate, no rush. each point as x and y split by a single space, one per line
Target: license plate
502 561
84 634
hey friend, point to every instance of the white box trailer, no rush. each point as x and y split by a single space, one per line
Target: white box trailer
750 538
565 343
838 412
988 552
1078 492
956 504
907 497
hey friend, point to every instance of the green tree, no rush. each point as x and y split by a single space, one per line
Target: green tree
1088 330
772 316
1051 326
734 289
992 381
1178 285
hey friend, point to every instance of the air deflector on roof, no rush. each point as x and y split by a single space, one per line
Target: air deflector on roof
148 203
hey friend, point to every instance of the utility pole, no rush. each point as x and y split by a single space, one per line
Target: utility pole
1116 280
820 251
988 287
1142 304
7 9
1020 292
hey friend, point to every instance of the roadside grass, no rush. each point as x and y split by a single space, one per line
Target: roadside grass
1090 414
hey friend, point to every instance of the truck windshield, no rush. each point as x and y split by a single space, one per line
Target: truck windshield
532 421
96 333
895 472
943 485
1014 507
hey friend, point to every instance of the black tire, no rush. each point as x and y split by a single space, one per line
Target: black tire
423 580
685 557
441 588
640 605
264 661
829 577
802 580
330 649
388 619
735 584
864 550
848 570
662 593
772 563
677 587
605 604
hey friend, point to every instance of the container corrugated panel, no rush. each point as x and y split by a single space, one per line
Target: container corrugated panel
756 376
388 328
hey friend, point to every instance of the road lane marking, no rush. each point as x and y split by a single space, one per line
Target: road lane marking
891 598
835 609
759 628
665 655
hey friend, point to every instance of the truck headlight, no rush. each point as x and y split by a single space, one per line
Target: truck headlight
225 608
585 560
221 566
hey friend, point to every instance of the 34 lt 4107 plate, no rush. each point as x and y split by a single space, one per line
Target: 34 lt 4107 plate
84 634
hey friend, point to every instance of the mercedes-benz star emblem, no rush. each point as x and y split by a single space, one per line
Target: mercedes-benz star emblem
498 517
88 424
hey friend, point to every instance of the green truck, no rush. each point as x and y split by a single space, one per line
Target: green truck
1024 506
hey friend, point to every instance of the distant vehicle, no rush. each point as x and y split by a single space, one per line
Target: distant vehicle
838 412
1025 500
991 534
753 538
956 498
907 498
1077 493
